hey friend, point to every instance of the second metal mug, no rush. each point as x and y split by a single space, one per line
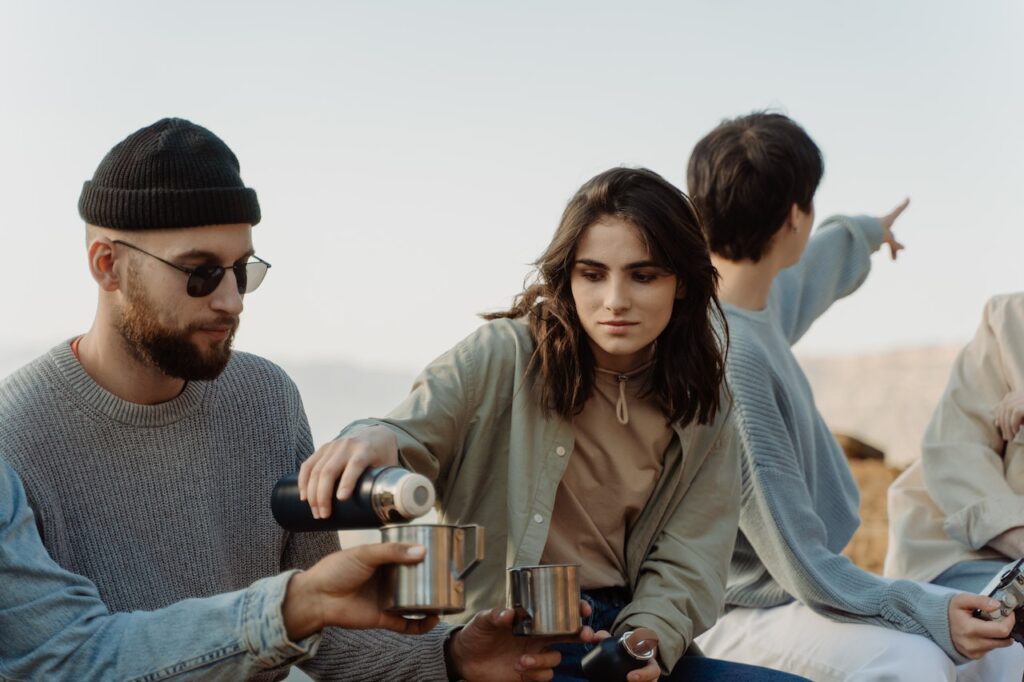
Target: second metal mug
546 599
433 586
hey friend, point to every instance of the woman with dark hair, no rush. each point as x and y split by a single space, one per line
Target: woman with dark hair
588 424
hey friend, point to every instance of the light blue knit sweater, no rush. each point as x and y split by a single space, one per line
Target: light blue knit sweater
800 502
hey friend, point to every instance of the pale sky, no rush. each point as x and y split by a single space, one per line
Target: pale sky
412 158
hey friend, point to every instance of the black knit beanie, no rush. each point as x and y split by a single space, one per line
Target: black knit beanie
169 174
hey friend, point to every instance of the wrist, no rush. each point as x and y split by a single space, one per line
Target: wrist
301 608
451 658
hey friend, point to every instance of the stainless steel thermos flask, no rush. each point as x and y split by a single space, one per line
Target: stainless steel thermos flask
382 495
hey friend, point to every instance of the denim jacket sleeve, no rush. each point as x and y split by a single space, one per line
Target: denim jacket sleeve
56 627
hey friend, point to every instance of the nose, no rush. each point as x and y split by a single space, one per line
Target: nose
225 298
616 299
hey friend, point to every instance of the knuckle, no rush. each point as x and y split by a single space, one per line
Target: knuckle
332 467
316 466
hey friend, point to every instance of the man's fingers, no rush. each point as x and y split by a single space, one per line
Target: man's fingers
377 555
541 660
543 675
894 248
503 618
895 213
538 676
889 218
498 618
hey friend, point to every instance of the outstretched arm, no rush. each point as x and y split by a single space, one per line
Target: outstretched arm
425 432
56 627
836 262
779 520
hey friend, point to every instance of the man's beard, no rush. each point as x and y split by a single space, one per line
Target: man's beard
171 350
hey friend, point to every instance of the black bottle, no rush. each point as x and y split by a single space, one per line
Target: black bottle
382 495
616 657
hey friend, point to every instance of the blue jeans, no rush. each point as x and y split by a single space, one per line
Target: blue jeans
606 604
971 576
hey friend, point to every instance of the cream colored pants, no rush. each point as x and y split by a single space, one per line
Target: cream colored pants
797 640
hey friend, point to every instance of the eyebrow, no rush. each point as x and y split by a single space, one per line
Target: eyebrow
209 255
629 266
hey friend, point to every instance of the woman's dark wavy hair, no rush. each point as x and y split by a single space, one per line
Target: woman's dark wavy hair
689 362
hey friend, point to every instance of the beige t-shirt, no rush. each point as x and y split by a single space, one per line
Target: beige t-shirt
620 446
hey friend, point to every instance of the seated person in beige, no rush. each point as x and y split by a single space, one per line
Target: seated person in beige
957 515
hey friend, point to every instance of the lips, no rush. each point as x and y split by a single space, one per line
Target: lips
218 330
219 333
619 323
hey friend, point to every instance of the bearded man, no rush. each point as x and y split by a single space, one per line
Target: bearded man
148 449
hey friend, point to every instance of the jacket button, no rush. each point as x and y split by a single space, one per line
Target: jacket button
538 518
560 451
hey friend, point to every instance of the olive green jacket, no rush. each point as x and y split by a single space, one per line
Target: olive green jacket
473 424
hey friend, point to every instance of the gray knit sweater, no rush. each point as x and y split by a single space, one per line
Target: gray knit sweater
800 502
159 503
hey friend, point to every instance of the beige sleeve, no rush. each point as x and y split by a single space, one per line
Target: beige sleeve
962 451
430 424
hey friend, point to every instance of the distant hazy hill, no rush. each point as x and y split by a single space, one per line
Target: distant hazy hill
885 399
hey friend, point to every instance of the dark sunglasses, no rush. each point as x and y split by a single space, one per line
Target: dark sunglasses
203 280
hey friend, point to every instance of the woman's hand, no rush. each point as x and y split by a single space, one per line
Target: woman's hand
346 458
1010 414
974 637
648 673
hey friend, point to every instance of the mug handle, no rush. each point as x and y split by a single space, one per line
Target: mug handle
522 598
478 550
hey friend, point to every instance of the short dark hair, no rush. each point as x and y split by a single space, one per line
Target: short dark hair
745 175
689 362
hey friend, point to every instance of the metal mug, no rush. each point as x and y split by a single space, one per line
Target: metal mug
546 599
433 586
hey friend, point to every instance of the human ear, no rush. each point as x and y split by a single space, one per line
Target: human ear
101 264
793 217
